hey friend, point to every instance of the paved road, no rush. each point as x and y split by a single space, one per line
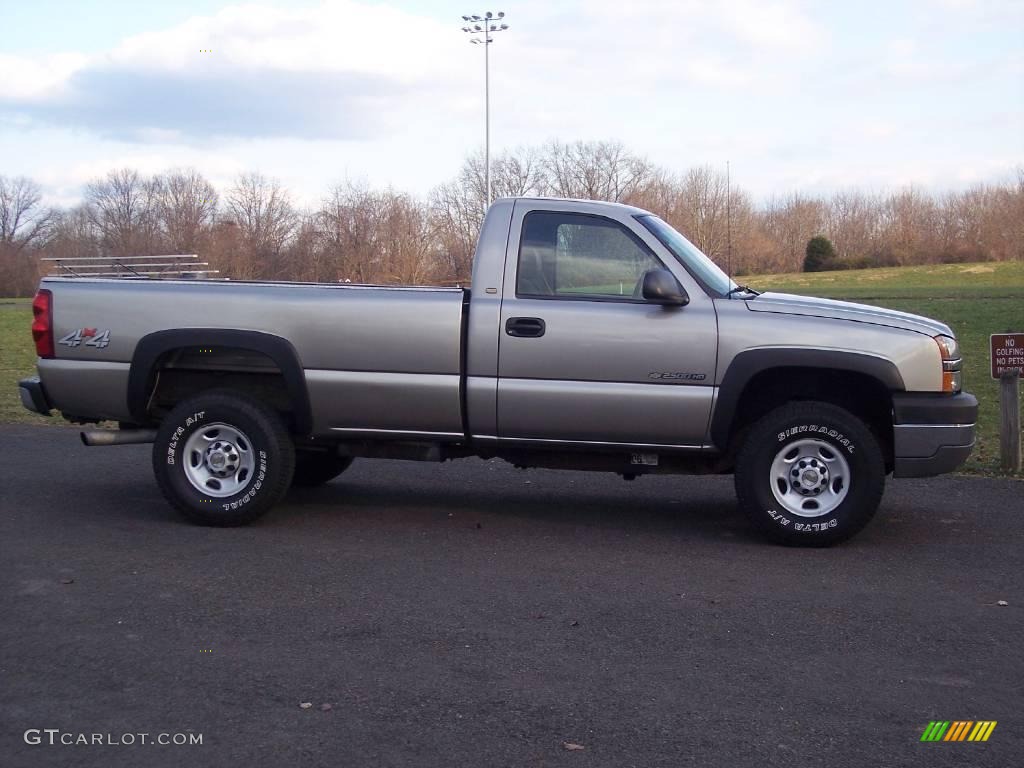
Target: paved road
474 615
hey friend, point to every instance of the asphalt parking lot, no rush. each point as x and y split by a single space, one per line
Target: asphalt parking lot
471 614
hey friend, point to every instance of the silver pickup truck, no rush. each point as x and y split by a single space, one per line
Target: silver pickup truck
595 337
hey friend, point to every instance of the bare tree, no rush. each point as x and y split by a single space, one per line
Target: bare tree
368 235
404 225
518 173
24 226
23 220
789 223
594 170
456 218
348 233
457 208
852 221
121 208
263 211
377 236
186 207
304 257
701 213
226 251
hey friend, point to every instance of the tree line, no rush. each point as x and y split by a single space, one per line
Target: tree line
256 230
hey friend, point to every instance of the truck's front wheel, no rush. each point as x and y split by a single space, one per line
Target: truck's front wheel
810 474
223 459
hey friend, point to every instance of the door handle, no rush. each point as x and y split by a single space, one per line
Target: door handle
525 327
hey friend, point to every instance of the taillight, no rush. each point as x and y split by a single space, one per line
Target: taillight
42 322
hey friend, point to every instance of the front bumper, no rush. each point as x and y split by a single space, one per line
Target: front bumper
932 433
33 396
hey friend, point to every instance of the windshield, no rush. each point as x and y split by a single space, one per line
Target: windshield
689 255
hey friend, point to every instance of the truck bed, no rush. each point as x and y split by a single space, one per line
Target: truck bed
376 358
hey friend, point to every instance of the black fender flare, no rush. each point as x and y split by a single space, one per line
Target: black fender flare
151 347
746 365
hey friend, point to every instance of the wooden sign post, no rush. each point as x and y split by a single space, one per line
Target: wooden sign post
1007 351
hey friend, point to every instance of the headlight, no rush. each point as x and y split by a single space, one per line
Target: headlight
949 349
952 362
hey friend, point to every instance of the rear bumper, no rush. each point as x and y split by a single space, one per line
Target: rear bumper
932 433
33 396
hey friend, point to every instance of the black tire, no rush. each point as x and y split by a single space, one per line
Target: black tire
272 457
314 468
842 433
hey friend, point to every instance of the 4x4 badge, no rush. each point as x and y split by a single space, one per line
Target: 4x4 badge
91 337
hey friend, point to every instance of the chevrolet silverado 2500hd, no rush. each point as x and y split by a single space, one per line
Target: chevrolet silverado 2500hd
594 337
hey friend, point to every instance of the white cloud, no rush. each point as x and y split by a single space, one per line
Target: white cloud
789 90
348 69
334 71
33 78
338 36
776 25
876 128
714 70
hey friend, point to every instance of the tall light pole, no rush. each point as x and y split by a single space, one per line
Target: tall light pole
481 27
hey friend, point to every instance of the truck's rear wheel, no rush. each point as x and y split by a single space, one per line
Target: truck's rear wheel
223 459
314 468
810 474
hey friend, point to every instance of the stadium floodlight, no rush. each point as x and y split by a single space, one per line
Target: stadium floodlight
486 41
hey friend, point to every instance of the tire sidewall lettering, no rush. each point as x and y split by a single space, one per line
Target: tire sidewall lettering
250 492
841 440
179 432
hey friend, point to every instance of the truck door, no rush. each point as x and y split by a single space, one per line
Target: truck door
582 356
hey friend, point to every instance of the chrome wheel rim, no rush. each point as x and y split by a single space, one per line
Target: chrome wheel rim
219 460
809 478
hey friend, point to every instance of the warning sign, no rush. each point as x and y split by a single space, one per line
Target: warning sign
1007 350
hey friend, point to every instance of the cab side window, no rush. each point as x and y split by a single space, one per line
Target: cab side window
572 255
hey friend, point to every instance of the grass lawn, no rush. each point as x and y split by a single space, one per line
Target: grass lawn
947 281
975 300
17 360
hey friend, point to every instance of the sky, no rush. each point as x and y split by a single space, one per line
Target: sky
796 95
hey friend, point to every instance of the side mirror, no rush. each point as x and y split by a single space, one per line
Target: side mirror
661 287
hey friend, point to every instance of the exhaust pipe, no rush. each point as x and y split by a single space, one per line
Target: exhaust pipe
117 436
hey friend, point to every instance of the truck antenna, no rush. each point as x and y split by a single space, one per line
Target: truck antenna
728 222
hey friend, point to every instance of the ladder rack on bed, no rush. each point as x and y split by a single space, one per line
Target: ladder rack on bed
131 267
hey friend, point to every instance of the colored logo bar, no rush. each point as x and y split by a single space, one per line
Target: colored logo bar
958 730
